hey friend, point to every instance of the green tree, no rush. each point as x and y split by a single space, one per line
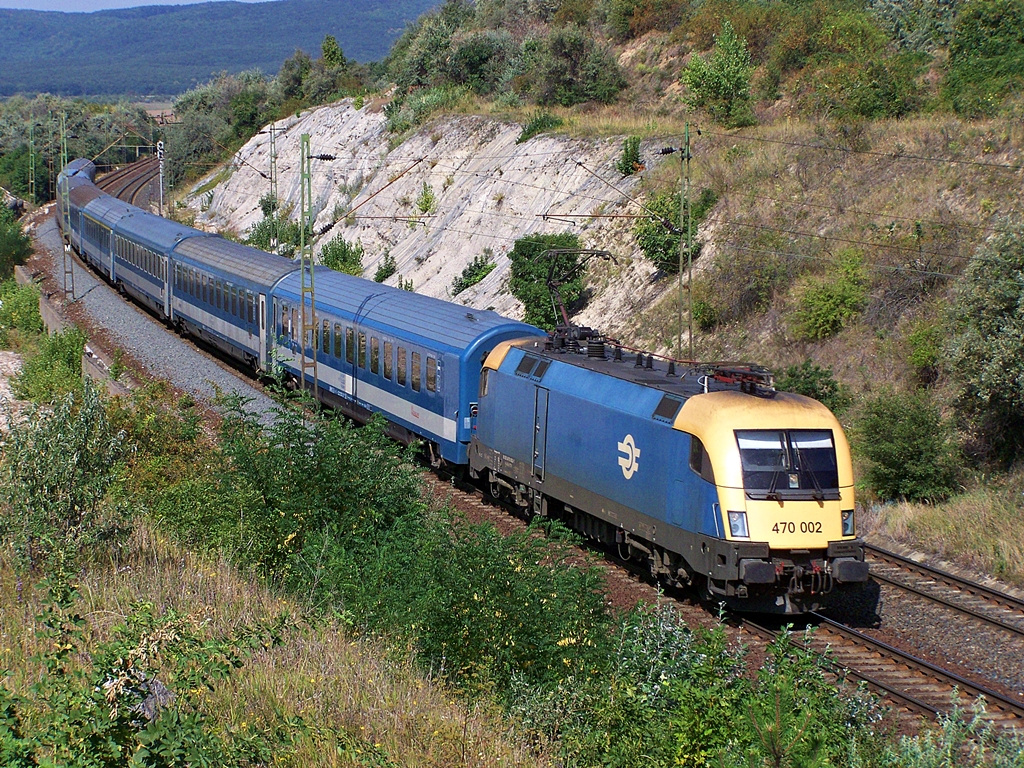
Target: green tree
986 356
531 270
721 84
331 52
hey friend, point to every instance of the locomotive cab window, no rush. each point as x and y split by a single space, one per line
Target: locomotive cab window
789 464
700 461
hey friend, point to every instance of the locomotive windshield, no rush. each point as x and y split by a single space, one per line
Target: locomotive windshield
789 464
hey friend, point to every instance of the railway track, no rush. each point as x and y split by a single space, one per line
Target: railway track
914 685
956 593
132 183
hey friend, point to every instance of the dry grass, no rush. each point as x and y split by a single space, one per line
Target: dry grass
359 688
982 529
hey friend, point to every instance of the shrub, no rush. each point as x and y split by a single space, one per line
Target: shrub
925 342
54 370
817 382
386 268
426 202
908 446
570 68
15 245
19 313
531 270
541 122
986 56
56 467
629 163
343 256
722 84
659 236
475 271
986 358
827 304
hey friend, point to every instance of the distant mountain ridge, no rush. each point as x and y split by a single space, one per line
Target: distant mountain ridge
167 49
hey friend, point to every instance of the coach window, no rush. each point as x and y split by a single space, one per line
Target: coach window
388 363
350 344
361 355
251 306
374 355
327 337
401 366
415 371
337 340
293 329
431 374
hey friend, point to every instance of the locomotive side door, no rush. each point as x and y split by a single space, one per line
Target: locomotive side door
540 432
263 331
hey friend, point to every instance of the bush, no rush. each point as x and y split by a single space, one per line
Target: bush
343 256
475 271
817 382
15 245
531 271
56 467
828 304
55 370
541 122
659 236
986 358
19 314
722 84
630 162
986 56
570 68
386 268
909 447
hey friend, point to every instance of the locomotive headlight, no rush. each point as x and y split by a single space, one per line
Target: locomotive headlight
848 525
738 524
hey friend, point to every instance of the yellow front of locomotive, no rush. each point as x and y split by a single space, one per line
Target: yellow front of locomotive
784 477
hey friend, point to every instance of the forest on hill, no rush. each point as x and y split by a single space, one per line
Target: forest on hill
165 50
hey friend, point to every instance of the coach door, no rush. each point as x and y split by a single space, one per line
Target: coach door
165 274
540 432
263 331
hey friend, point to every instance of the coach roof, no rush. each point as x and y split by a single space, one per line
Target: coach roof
442 324
249 263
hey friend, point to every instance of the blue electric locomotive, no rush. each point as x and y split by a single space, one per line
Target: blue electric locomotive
711 477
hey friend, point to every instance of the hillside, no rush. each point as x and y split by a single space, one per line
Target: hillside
168 49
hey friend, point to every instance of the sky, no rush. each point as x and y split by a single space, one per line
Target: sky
95 5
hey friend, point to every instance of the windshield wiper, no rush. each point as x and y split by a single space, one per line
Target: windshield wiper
819 495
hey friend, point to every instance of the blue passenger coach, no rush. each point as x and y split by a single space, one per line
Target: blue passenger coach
221 295
415 359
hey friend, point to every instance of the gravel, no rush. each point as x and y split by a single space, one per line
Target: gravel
159 350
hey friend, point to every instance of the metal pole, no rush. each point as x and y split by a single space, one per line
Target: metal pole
160 158
689 236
